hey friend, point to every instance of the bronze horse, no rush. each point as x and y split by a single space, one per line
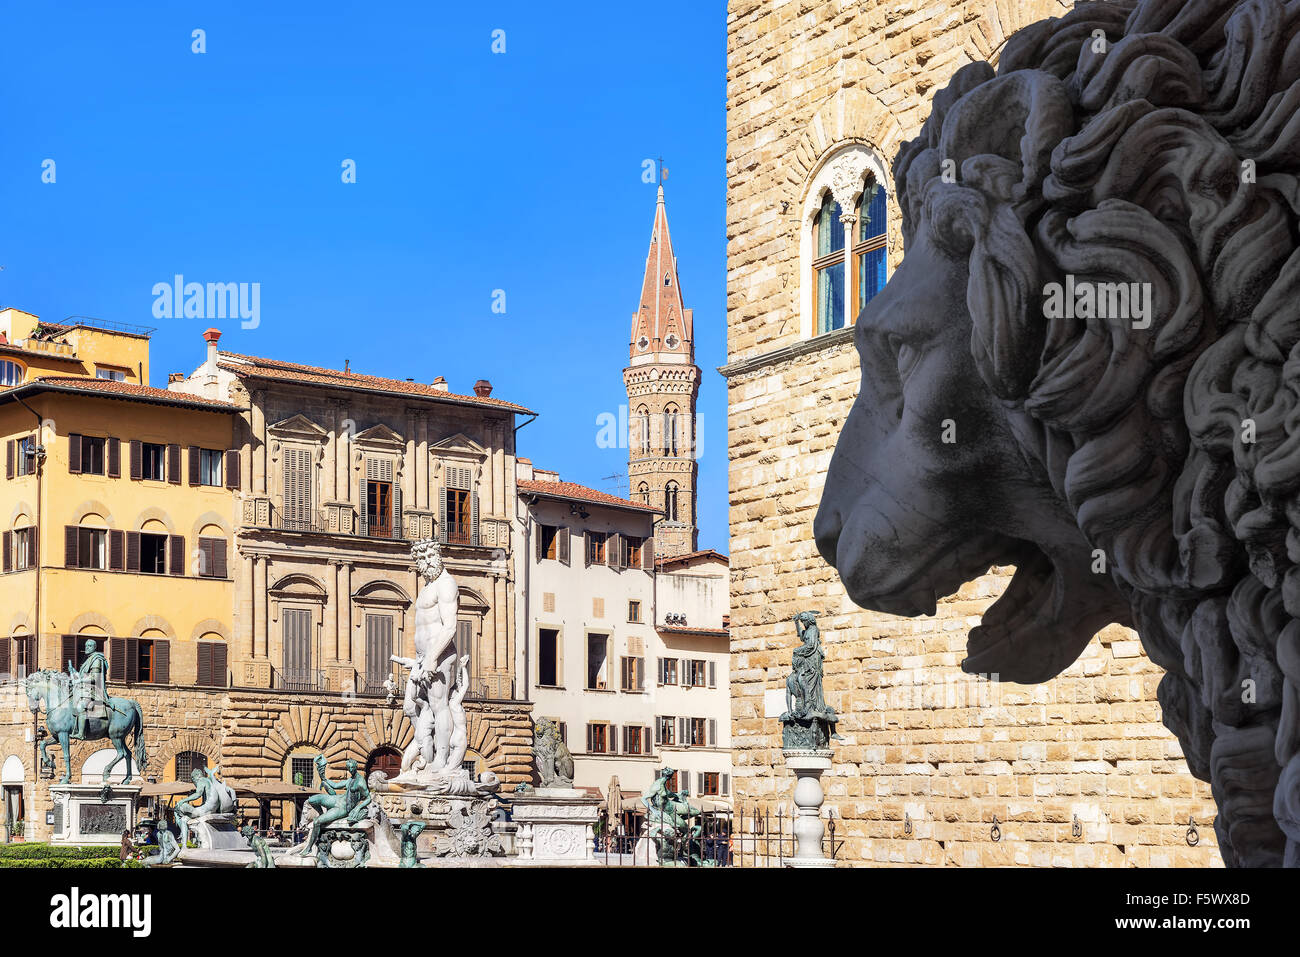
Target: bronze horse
52 690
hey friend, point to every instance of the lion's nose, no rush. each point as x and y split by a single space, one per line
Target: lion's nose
827 526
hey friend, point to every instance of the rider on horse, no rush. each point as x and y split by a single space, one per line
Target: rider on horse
88 696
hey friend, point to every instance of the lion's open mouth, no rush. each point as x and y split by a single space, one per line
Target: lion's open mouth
1020 635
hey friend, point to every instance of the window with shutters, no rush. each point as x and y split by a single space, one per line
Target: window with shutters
144 660
379 646
153 554
696 672
24 548
598 738
633 674
666 730
634 611
297 489
596 547
213 558
632 551
548 542
74 650
711 784
210 466
112 375
20 457
598 662
459 530
212 664
380 500
92 455
24 652
634 739
153 462
668 671
297 648
698 728
92 548
677 782
548 658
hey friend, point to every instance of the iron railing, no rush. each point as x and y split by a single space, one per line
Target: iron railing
298 679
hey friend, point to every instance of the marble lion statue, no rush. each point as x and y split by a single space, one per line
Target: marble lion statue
1135 451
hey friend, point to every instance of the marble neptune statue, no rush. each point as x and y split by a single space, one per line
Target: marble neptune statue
437 678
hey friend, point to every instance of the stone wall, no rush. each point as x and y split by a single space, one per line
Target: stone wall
925 747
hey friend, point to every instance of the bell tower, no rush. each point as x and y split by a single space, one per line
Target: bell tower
662 384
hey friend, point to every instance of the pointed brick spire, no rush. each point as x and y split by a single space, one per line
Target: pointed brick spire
661 324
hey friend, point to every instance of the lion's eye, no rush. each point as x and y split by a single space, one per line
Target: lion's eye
906 356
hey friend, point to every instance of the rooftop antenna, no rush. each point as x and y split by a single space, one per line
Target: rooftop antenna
617 479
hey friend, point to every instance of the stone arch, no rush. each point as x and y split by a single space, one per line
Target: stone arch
210 626
90 619
19 621
204 744
851 116
309 726
154 514
210 518
92 506
484 739
22 511
24 760
471 600
299 584
153 623
384 728
93 763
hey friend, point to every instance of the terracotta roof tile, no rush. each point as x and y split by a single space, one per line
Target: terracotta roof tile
293 372
676 559
689 630
573 491
128 390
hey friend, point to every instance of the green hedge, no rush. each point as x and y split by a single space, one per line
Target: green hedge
45 852
86 863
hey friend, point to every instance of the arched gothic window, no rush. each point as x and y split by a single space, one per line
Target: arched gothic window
670 502
670 430
643 492
643 424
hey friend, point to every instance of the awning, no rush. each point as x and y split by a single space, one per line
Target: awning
166 789
270 790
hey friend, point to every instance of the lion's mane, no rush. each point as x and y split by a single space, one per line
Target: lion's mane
1167 154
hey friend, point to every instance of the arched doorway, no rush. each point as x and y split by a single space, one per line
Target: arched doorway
11 777
386 759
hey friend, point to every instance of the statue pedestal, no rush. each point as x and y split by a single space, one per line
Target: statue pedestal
808 766
217 832
556 826
81 818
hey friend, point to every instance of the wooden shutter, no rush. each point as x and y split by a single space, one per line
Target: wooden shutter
74 453
204 675
659 671
589 735
645 741
176 554
586 549
713 674
70 546
162 662
133 551
659 728
8 546
684 732
219 663
132 646
562 544
640 674
135 452
232 469
116 659
648 556
9 472
559 658
465 643
726 784
174 464
611 738
194 465
442 515
113 452
68 652
219 565
539 535
713 732
611 550
473 517
364 516
4 657
116 549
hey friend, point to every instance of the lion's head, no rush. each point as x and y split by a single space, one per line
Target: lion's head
1135 467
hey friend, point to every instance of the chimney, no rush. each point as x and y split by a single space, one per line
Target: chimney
173 377
440 384
482 388
212 337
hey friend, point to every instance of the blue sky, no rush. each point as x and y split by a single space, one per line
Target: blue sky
476 171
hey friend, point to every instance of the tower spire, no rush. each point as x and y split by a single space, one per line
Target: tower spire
662 384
